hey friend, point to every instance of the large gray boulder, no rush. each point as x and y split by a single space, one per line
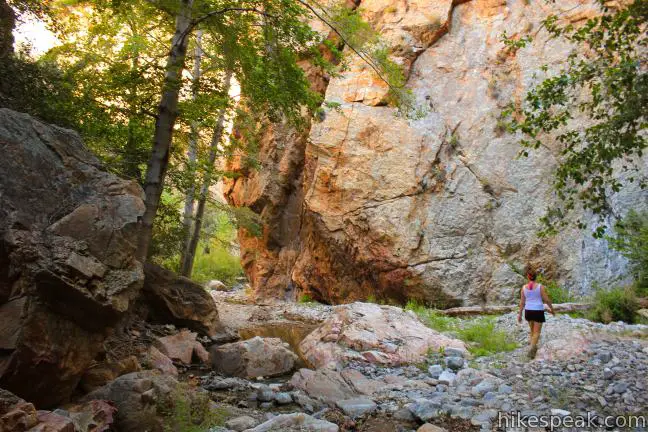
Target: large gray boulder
254 358
68 270
140 398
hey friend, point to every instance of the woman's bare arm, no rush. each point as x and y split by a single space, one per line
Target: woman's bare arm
522 302
546 299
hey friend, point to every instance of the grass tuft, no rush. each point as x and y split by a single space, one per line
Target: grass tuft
480 334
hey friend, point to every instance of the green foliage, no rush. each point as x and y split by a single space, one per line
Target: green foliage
218 263
431 318
604 80
168 234
480 333
556 293
214 258
616 304
483 339
305 299
366 43
632 241
188 410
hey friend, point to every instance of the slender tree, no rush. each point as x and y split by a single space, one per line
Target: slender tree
217 137
166 117
192 154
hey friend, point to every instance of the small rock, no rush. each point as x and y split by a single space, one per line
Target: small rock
454 363
283 398
454 352
447 377
560 412
356 407
297 421
604 356
427 427
264 394
404 415
505 389
435 371
620 387
608 373
484 387
240 424
425 409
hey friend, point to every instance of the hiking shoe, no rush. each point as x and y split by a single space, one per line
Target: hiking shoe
532 352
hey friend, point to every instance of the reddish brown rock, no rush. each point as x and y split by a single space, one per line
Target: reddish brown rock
182 347
50 422
102 373
173 299
93 416
17 415
68 270
161 362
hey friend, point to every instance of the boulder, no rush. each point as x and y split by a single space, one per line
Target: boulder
68 270
102 373
138 397
217 285
241 423
161 362
17 415
182 347
51 422
297 422
325 385
254 357
92 416
372 333
173 299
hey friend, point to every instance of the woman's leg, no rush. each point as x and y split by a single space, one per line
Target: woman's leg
530 330
535 336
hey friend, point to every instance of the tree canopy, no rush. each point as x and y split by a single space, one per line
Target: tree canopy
595 107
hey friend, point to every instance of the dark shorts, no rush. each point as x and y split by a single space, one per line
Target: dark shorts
534 315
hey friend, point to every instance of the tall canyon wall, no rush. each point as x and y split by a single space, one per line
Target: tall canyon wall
438 208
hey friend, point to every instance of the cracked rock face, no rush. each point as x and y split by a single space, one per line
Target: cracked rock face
68 270
367 332
438 208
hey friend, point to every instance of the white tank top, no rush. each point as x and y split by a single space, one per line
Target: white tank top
533 297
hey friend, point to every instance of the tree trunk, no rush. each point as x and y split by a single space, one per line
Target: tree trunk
7 25
166 118
502 309
187 264
192 155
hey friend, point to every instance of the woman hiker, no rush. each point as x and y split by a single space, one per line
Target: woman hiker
532 299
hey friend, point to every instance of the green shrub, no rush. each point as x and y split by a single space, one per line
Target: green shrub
480 334
187 410
430 317
483 339
617 304
632 241
218 263
305 298
556 293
